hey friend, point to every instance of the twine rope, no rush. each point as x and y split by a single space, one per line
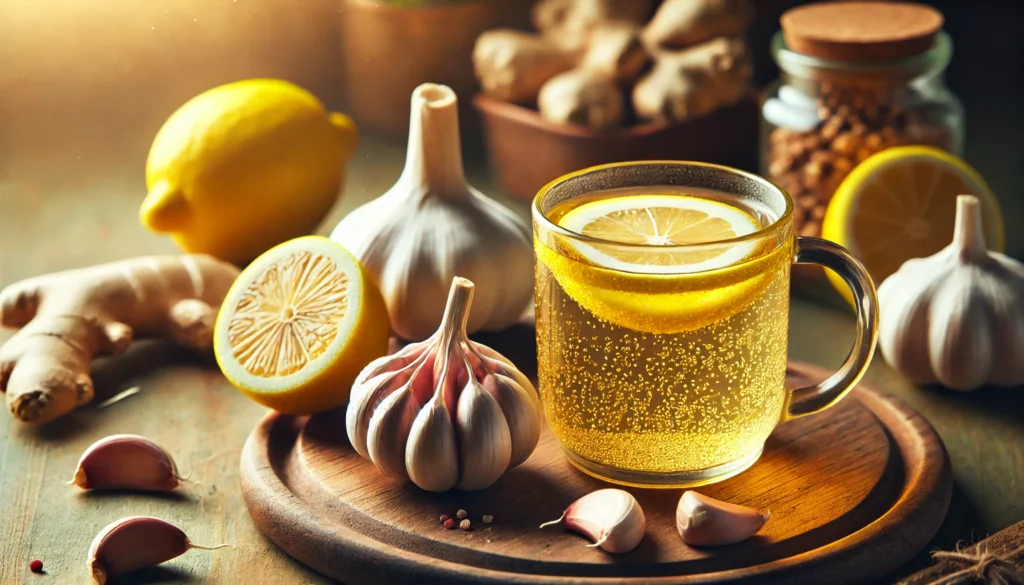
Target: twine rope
982 566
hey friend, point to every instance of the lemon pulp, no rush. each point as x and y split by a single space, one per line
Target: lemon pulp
299 325
900 204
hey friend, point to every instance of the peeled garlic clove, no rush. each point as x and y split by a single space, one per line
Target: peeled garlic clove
612 518
431 457
485 444
129 462
520 412
389 430
704 521
131 543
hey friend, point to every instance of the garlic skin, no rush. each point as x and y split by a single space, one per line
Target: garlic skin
131 543
431 226
127 462
954 317
446 412
704 521
612 518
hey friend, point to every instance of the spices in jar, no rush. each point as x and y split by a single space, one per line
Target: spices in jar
857 78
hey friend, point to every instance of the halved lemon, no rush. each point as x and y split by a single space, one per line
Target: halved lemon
900 204
645 289
299 324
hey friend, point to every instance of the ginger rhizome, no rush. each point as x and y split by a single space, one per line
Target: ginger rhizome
694 82
590 56
685 23
512 65
68 318
570 23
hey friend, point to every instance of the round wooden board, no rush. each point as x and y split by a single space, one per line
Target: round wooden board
854 492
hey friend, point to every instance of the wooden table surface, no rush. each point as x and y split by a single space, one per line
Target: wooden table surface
78 213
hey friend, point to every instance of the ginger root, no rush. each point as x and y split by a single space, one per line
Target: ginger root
582 96
590 95
616 51
69 318
694 82
568 23
512 65
684 23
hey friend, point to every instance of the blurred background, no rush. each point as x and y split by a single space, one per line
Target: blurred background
84 86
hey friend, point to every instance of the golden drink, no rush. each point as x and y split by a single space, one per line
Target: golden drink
659 373
662 297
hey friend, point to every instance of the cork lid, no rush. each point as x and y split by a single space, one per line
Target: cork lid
861 31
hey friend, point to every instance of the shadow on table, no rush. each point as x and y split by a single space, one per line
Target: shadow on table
956 529
156 575
110 377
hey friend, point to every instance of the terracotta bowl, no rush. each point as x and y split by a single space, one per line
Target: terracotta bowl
526 151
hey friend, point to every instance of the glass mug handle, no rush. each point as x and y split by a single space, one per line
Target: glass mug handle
811 399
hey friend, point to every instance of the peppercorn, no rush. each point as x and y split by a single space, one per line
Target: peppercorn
36 566
449 524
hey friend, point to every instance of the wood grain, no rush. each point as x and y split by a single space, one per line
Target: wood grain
867 480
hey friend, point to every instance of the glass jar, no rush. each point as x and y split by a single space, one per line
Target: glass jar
823 117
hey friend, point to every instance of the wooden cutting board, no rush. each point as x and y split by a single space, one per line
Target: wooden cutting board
854 492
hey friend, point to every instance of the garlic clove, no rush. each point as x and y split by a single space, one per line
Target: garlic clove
431 456
520 412
389 430
394 362
612 518
366 398
704 521
501 365
135 542
130 462
485 443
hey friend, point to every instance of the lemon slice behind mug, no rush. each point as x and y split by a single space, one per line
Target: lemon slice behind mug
900 204
648 290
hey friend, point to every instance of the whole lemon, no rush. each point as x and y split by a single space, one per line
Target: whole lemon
245 166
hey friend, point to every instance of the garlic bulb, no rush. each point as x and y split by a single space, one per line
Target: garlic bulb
446 412
431 226
955 317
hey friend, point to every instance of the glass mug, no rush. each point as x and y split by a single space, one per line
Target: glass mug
665 365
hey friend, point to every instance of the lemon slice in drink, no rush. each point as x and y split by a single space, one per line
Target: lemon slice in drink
299 325
648 290
660 220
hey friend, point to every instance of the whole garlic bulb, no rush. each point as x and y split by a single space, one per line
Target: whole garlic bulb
446 412
955 317
431 226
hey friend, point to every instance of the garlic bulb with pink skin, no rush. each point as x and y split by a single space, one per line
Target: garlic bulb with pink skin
446 412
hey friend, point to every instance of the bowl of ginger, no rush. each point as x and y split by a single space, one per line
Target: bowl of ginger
605 81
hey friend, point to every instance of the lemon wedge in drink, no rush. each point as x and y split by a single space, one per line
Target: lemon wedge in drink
299 325
617 273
